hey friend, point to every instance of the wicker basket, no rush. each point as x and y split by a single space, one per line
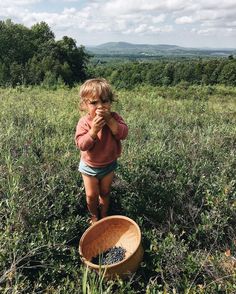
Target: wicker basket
116 230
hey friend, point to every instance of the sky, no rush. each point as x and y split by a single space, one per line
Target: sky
193 23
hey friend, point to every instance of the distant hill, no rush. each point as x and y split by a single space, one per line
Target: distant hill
125 48
125 45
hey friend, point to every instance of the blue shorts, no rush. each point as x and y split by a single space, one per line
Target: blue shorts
98 172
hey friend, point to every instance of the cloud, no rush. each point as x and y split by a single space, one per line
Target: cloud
70 1
205 31
12 3
133 6
147 30
159 18
184 20
127 17
217 4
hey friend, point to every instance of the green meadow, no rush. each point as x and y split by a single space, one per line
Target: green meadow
176 179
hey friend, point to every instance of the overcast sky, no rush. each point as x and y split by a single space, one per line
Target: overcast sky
197 23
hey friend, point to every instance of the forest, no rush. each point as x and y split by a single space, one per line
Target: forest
169 72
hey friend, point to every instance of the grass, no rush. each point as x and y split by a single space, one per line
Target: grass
176 179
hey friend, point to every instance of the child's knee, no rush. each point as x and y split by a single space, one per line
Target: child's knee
105 193
91 198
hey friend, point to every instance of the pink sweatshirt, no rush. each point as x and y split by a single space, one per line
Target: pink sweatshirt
106 148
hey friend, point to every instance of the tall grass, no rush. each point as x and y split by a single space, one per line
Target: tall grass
176 178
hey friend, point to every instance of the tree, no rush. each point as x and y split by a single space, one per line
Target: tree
168 74
228 74
73 60
41 34
32 55
15 42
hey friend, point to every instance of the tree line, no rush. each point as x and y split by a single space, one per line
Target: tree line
32 56
169 72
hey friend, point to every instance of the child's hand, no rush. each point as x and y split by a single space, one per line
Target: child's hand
97 124
105 113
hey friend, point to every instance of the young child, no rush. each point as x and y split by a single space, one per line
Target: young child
98 135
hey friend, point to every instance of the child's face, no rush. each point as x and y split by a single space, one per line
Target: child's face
97 103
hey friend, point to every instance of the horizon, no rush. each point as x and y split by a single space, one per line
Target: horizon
199 24
161 44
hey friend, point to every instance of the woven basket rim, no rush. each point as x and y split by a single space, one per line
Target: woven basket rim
97 266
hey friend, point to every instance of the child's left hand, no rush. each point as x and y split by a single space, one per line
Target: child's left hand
105 113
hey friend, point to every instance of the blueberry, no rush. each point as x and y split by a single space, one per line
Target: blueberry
112 255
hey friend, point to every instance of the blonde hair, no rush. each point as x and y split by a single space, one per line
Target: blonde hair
96 88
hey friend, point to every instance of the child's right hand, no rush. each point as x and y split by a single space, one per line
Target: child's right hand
97 124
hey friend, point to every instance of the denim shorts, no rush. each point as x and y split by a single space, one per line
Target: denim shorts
98 172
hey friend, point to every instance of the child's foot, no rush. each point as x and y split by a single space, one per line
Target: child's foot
93 220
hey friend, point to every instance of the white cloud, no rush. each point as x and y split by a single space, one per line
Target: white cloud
146 29
217 4
146 18
141 28
231 24
159 18
69 1
9 3
132 6
184 20
69 11
205 31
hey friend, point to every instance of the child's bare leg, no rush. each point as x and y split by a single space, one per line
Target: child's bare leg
104 198
91 185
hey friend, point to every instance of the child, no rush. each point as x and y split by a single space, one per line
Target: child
98 136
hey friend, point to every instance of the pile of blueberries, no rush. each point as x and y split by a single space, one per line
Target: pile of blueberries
112 255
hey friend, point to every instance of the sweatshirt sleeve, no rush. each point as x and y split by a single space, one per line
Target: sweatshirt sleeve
83 140
122 127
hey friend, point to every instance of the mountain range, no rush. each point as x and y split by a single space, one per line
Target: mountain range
125 48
